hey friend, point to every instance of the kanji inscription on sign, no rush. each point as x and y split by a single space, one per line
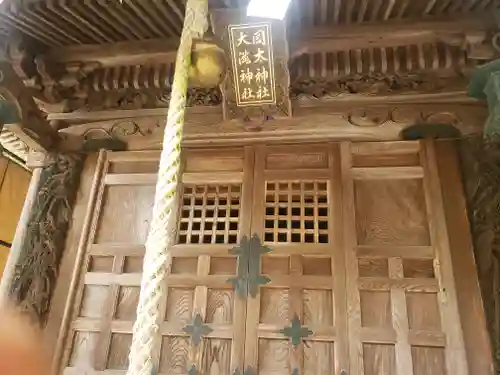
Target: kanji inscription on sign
253 64
256 88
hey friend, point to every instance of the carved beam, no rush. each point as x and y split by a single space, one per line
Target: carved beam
36 271
313 121
19 114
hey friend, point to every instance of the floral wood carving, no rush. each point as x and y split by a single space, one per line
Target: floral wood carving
377 84
37 270
138 99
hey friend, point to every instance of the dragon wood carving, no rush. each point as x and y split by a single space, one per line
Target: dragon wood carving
37 269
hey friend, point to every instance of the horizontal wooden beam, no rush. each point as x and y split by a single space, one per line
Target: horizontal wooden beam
329 121
143 52
449 30
321 39
210 114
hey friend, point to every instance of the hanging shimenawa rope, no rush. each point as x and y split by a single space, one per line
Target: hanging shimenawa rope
162 229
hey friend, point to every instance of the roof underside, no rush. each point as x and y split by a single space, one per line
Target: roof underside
70 22
57 25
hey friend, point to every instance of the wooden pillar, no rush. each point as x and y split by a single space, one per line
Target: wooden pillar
36 269
480 159
481 173
21 230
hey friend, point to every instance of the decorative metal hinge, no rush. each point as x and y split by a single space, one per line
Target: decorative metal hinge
248 276
197 329
248 371
296 332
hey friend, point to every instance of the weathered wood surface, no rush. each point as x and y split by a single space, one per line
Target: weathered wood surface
18 112
481 176
313 120
357 238
37 269
14 182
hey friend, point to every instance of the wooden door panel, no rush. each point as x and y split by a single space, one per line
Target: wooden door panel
296 214
358 277
402 311
211 220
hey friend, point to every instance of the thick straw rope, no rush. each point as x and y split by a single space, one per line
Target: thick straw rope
162 229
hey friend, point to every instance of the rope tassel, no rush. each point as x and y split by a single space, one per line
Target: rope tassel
145 341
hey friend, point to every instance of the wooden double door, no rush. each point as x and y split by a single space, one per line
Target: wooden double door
321 259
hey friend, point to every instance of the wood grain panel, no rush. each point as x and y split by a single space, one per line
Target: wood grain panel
423 311
379 359
275 306
179 305
319 358
126 213
220 305
428 361
119 351
274 357
214 161
174 357
126 306
297 160
391 212
375 309
134 167
317 308
93 301
216 357
82 350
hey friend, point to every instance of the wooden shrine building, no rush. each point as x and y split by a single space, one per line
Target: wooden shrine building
338 207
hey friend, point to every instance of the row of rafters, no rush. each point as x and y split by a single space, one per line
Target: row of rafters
70 22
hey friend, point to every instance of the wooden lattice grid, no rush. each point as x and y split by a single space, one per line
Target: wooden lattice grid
297 212
210 214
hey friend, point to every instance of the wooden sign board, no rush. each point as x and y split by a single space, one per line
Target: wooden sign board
257 84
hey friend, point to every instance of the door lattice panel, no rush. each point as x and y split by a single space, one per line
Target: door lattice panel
296 212
294 325
210 214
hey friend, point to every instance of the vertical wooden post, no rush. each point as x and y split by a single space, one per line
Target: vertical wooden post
21 231
33 268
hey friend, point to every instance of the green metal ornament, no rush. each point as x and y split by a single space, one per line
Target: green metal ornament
296 332
193 371
248 371
197 330
248 277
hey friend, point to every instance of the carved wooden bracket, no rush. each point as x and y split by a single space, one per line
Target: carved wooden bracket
19 113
